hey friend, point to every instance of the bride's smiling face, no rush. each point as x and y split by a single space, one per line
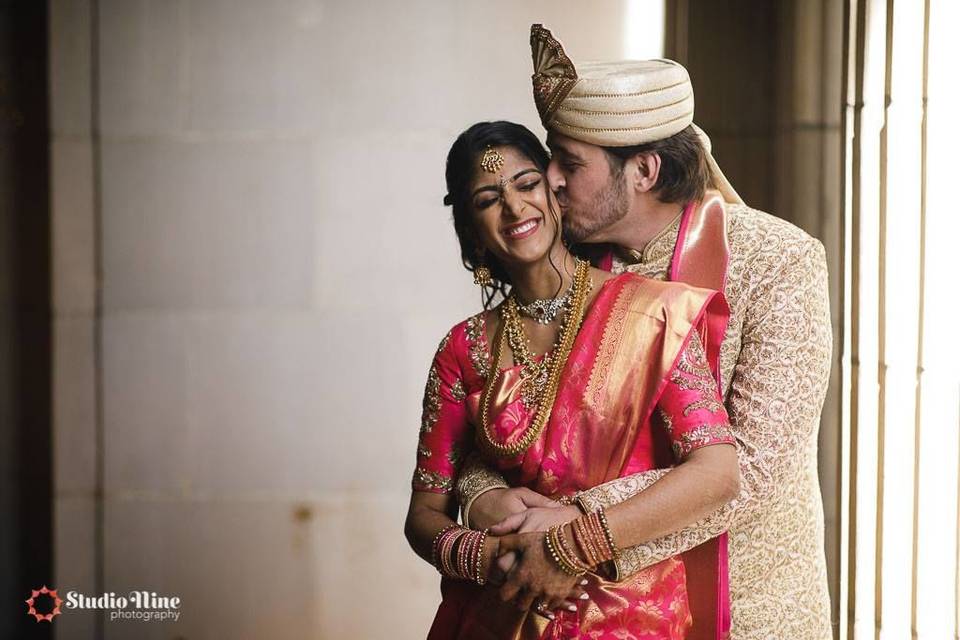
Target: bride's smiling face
512 209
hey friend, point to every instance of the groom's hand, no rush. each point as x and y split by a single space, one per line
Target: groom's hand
529 520
536 519
536 578
497 504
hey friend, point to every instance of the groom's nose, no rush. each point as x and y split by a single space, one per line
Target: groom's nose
555 176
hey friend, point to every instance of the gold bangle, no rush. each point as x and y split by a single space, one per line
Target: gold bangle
552 548
586 543
579 500
446 564
570 554
606 532
469 503
478 573
435 545
554 542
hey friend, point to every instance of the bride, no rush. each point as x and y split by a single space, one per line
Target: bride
577 377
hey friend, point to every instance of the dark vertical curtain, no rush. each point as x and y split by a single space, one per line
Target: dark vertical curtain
26 481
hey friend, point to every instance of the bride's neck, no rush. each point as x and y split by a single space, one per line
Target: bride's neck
546 278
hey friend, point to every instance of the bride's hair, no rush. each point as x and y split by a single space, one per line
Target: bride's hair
462 162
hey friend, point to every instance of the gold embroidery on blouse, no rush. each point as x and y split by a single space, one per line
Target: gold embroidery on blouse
694 360
431 402
457 391
701 436
444 341
455 456
477 337
708 404
476 478
431 395
667 421
424 480
699 378
691 383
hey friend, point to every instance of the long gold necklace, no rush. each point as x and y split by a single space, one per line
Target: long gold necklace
532 373
543 377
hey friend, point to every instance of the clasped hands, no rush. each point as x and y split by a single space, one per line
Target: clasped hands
523 571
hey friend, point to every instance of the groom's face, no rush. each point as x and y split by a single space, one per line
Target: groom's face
591 191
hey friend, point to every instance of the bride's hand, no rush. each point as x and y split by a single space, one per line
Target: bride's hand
496 504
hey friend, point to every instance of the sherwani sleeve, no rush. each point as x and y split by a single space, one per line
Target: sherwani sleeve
776 395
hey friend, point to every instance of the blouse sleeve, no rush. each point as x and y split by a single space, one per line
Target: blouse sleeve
691 406
444 429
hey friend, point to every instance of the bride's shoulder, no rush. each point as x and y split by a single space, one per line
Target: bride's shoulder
470 332
465 346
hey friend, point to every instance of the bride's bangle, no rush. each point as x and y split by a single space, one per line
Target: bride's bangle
562 555
592 535
457 552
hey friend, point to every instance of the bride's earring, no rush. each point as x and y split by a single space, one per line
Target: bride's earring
481 275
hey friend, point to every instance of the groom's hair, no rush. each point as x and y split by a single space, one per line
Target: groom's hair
684 172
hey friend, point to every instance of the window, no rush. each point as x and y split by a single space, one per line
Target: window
901 362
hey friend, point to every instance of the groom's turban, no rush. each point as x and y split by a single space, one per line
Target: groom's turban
615 104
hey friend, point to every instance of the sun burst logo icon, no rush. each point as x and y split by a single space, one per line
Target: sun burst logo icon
52 594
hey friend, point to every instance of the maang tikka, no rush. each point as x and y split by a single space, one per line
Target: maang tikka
492 160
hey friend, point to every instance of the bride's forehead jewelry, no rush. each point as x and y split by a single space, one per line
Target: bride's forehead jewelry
492 161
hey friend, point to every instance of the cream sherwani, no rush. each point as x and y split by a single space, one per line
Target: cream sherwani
775 362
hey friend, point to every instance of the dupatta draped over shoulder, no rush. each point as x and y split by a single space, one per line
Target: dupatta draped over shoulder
639 391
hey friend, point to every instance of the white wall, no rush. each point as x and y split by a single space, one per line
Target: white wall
277 269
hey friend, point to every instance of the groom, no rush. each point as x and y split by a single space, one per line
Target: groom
632 171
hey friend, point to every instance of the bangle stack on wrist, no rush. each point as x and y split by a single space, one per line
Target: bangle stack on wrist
457 552
593 537
593 540
565 557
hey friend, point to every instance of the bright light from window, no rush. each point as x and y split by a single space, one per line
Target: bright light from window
901 317
643 27
937 562
904 280
866 354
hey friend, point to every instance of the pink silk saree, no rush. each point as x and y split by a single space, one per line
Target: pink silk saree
637 338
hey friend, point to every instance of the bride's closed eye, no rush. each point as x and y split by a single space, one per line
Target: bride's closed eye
529 185
483 203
